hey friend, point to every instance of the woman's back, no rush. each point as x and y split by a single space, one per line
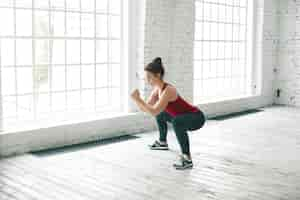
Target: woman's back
179 105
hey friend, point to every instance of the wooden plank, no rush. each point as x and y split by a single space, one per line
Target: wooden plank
234 159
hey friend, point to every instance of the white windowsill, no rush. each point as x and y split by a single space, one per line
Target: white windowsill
44 124
226 100
48 123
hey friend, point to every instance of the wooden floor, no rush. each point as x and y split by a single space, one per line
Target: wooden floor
254 156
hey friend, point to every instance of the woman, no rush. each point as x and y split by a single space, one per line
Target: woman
168 106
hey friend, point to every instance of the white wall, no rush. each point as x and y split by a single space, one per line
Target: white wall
169 33
288 69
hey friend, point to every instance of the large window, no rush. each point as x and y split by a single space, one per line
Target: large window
59 57
222 49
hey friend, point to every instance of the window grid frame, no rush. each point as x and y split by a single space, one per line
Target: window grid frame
50 38
233 58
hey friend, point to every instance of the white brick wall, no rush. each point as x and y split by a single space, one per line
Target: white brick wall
288 69
168 30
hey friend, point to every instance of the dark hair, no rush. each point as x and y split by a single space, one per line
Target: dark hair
156 67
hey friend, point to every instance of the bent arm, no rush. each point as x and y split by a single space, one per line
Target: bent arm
160 104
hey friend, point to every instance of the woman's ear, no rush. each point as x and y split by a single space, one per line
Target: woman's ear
158 76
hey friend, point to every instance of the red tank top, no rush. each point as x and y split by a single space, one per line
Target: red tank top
179 106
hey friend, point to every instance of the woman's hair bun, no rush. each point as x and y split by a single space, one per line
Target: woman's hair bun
157 60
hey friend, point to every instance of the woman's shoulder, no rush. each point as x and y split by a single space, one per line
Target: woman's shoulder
171 90
170 87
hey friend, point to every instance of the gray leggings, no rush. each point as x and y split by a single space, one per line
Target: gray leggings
181 124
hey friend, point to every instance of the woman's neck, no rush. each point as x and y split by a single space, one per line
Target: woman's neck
160 85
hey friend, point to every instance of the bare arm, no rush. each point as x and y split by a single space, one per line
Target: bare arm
160 105
153 98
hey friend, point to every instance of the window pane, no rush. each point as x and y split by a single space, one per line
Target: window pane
221 31
73 24
228 50
199 10
197 70
102 97
25 107
23 3
87 51
116 96
206 11
220 68
198 31
243 15
206 31
8 78
6 21
101 6
41 23
88 5
7 51
236 15
206 66
214 12
214 50
214 31
6 3
41 4
24 51
236 50
197 50
73 77
222 13
58 101
213 69
58 79
73 4
73 99
242 3
87 25
229 13
88 76
101 75
116 75
206 50
236 32
115 51
24 22
115 27
24 80
101 25
88 99
101 51
228 34
114 6
242 49
57 27
57 4
227 68
73 51
219 88
43 103
221 50
57 51
41 78
9 107
242 33
197 88
41 52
